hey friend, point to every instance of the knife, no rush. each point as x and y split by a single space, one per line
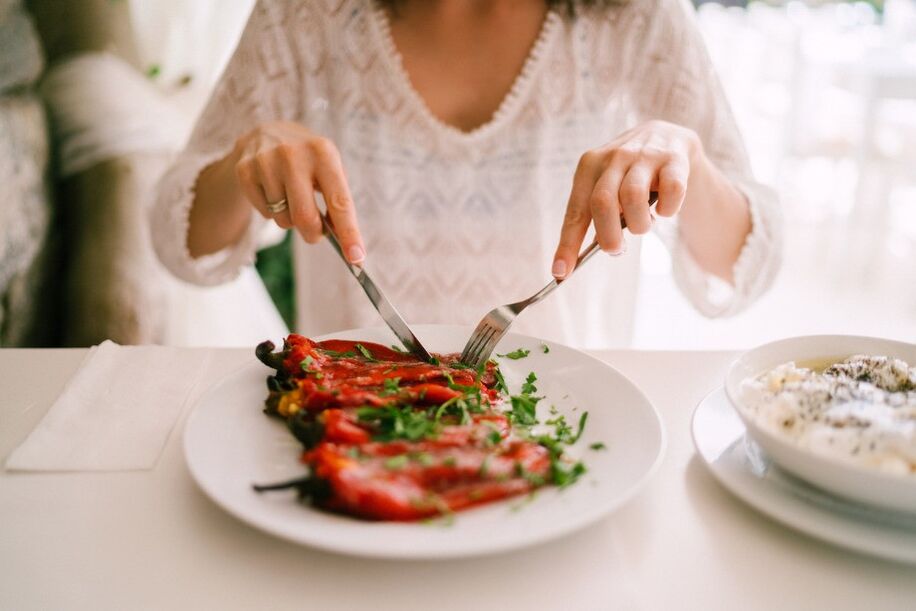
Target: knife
385 308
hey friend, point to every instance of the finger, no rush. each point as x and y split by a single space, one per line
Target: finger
246 174
300 194
605 209
332 183
672 187
634 197
578 216
271 182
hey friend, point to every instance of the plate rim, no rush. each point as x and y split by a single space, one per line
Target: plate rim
783 515
484 548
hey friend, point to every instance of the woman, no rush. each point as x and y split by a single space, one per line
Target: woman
446 137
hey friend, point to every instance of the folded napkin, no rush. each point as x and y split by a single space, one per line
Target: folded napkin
117 411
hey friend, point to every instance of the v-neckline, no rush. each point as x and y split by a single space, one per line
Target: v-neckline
508 106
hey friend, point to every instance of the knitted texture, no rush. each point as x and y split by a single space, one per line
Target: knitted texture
458 222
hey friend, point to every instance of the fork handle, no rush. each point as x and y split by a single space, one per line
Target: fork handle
584 256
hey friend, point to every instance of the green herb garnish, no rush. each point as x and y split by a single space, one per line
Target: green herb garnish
391 387
306 366
598 445
524 409
528 387
494 437
366 354
533 478
562 472
501 385
336 354
524 406
516 354
545 348
396 462
398 422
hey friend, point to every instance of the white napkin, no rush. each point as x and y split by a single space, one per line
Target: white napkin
117 411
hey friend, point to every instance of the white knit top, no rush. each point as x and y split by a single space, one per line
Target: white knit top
456 222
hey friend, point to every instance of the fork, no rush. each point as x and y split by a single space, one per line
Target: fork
494 325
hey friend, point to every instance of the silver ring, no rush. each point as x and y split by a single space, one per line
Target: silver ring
277 207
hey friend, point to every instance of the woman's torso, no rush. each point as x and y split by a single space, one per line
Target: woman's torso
456 223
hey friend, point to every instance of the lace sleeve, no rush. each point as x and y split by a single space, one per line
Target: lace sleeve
260 83
676 82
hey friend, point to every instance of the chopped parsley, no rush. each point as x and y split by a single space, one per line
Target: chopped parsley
336 354
424 458
306 366
528 388
396 462
366 354
524 409
516 354
598 445
545 348
457 406
398 422
563 473
494 437
391 387
524 405
501 385
533 478
563 433
523 414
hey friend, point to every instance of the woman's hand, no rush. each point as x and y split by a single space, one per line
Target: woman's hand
284 160
614 182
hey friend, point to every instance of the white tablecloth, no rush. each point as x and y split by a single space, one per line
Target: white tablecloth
152 540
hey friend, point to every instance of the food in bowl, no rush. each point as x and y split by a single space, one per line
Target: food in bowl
861 409
388 437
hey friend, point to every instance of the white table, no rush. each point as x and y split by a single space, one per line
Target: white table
152 540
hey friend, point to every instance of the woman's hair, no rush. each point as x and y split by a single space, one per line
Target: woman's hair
568 5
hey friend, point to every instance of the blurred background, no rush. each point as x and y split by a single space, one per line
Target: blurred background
96 96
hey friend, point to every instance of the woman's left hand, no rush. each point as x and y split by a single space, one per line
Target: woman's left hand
614 182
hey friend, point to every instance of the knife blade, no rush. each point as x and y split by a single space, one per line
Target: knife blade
385 308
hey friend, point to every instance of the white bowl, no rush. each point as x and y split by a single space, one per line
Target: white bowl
855 482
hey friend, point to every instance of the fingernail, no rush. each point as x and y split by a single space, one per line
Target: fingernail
619 251
559 268
356 254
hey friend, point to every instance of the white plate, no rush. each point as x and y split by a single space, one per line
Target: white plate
742 466
855 482
230 444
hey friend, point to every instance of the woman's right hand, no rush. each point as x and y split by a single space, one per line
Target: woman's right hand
282 159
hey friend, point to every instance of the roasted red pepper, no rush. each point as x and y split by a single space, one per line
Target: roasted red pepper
389 437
